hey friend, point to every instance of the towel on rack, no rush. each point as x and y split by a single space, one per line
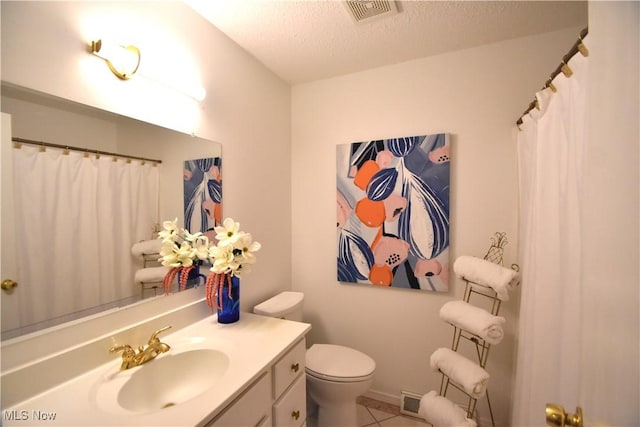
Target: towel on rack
150 275
146 247
487 274
441 412
471 376
474 319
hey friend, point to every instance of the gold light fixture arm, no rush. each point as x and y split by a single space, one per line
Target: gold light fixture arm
123 71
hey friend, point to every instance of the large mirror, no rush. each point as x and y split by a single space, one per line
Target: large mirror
132 210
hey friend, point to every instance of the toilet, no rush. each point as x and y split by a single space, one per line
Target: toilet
336 375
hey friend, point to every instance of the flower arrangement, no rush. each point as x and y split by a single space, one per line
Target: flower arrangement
180 251
231 256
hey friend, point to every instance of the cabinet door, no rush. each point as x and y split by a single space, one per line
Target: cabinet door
291 409
251 409
289 368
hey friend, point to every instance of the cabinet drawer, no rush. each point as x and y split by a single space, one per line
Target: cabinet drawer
291 409
252 408
288 368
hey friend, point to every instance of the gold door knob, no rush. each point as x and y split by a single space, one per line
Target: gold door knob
8 284
556 417
295 367
295 415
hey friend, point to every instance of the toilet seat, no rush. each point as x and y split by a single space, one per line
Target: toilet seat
338 363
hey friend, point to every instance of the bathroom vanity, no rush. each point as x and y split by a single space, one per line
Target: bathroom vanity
246 373
259 406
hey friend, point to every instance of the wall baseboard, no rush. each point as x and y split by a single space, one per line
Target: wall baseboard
482 419
383 397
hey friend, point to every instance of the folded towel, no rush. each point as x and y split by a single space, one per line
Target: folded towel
474 319
488 274
463 371
441 412
146 247
150 275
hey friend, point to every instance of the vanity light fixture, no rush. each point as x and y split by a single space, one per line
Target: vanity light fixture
123 61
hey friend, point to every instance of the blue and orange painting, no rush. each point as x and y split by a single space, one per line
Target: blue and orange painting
393 212
203 195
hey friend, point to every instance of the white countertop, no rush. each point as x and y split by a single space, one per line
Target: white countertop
252 345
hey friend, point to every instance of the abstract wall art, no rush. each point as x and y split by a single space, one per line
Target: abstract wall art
203 195
393 212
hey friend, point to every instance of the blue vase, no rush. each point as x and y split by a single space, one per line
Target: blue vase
229 312
194 276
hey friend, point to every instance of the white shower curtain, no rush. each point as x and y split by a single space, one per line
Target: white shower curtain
78 217
551 157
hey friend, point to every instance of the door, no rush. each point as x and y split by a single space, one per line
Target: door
9 298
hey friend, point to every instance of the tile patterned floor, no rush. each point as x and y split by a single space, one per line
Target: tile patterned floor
374 413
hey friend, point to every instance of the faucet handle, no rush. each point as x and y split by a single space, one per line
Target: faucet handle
128 355
154 336
126 349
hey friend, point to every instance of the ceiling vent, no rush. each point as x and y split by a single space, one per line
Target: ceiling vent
367 10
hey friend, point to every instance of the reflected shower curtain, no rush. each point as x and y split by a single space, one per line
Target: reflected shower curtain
78 217
551 159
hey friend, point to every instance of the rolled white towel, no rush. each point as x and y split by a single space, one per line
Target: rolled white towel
471 376
146 247
441 412
488 274
150 275
474 319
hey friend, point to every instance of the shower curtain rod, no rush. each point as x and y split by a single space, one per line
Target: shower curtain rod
83 150
578 46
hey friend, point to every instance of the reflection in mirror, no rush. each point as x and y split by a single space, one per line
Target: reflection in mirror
71 217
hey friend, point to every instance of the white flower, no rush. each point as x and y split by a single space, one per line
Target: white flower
177 256
192 237
201 247
223 259
227 233
170 229
181 248
235 250
247 247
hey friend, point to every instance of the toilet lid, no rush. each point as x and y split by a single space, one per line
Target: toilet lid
279 305
336 361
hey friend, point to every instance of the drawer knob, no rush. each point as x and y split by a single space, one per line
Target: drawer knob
295 367
295 415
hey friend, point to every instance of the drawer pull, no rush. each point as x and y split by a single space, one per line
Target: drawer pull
295 367
295 415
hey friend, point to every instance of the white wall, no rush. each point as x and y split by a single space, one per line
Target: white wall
476 95
247 109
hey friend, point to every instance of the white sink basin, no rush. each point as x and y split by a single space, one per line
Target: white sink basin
167 381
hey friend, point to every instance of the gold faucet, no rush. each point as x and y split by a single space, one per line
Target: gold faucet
131 359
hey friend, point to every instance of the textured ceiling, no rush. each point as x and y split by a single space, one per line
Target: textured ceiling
305 40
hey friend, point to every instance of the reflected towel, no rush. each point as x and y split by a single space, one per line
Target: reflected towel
146 247
463 371
150 275
474 319
441 412
488 274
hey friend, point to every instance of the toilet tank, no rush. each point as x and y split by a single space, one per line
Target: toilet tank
285 305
